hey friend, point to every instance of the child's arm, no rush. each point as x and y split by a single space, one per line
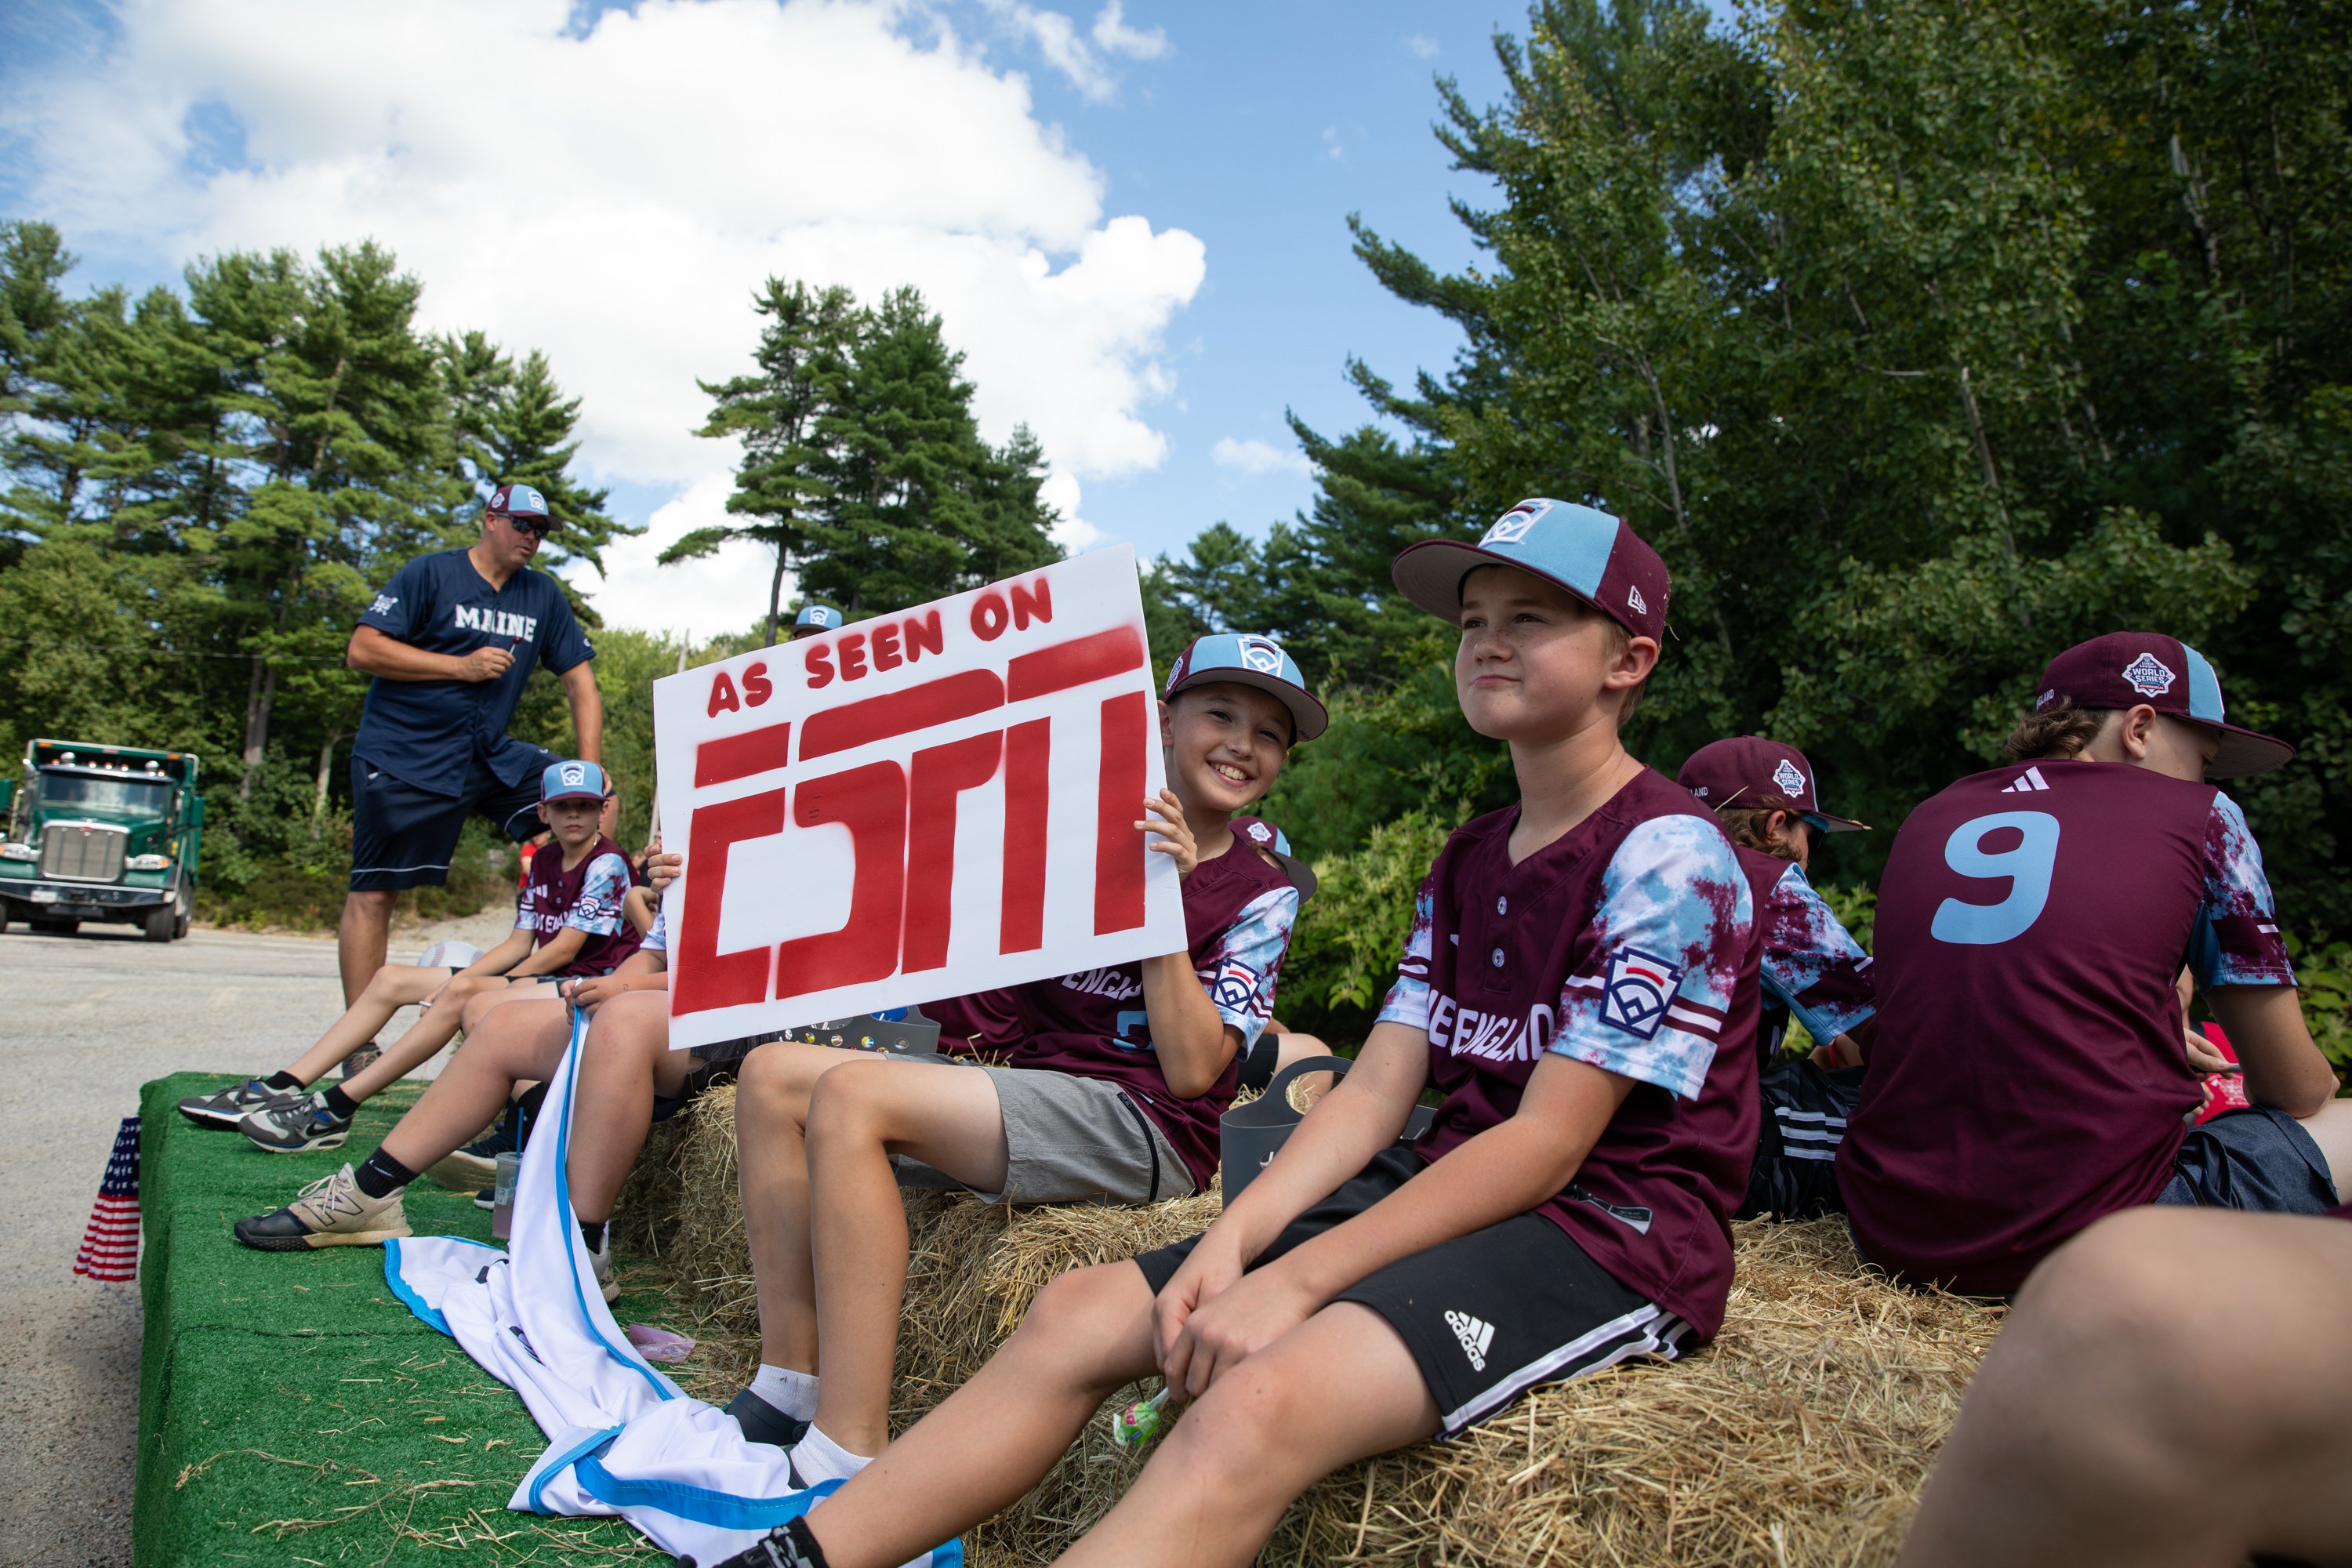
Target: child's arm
1189 1038
558 950
644 970
2283 1068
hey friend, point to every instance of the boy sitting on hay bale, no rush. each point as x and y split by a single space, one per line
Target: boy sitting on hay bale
1811 970
1111 1088
2028 1073
1579 987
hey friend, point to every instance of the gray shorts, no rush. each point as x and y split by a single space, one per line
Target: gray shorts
1068 1140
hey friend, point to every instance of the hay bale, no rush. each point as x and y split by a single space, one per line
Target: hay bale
1802 1435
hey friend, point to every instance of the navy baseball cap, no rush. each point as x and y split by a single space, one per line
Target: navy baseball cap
572 781
815 618
1592 555
1275 842
519 500
1752 771
2124 669
1247 659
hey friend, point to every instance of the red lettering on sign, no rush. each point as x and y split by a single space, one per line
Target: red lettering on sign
924 636
901 712
885 648
989 616
757 687
740 756
819 664
707 978
871 802
1032 599
1027 752
853 655
1118 804
722 697
939 774
1073 663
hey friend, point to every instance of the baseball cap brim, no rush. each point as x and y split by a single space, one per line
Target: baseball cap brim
1302 875
1308 716
570 795
2243 752
1430 574
1828 824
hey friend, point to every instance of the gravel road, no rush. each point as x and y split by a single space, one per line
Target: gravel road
84 1021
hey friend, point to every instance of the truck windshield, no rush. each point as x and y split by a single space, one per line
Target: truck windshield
140 795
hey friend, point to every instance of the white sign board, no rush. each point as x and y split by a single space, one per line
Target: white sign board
934 802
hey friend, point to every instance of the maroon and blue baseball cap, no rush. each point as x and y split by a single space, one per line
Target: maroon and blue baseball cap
2124 669
572 781
814 618
1592 555
1277 843
1753 770
519 500
1247 659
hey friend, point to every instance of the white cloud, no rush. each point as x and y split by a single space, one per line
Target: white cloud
1057 37
1112 33
1253 457
1421 46
1331 142
1073 532
722 593
615 198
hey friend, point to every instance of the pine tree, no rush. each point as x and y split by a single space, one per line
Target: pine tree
511 423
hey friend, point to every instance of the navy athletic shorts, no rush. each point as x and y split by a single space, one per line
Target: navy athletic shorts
1805 1112
402 837
1487 1316
2259 1158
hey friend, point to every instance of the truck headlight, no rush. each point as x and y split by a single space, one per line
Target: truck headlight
18 852
149 863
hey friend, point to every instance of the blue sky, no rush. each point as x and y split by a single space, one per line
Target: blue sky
1134 218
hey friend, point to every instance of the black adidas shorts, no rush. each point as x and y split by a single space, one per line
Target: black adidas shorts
1488 1315
1805 1112
402 837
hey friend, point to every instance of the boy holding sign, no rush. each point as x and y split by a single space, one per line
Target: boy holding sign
1579 987
2028 1075
1111 1090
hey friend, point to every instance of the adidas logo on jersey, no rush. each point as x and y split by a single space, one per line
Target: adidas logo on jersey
2026 783
1477 1336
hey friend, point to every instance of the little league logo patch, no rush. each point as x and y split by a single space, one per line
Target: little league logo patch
1789 777
1513 525
1235 988
2147 676
1636 991
1263 654
574 775
1261 832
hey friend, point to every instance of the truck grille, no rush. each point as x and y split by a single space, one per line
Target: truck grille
73 852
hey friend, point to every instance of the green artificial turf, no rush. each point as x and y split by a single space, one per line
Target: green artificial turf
291 1408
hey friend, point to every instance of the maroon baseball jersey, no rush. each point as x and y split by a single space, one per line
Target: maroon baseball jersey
1628 942
588 898
2028 1075
1238 912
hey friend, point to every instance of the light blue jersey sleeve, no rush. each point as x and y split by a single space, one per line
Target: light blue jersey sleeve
1672 931
602 892
657 938
1812 963
1408 999
2236 941
1247 965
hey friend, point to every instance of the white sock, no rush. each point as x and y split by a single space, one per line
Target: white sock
817 1458
793 1393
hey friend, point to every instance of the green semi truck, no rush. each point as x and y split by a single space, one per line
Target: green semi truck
101 833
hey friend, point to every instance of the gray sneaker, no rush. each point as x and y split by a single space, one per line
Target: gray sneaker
223 1110
329 1212
296 1126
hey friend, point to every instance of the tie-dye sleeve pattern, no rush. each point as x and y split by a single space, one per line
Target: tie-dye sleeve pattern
1671 934
1242 977
1408 1000
2237 939
657 938
602 892
1812 962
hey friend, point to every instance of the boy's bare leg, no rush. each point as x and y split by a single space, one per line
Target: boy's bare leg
395 986
624 1063
861 1113
361 938
424 1038
1088 1334
518 1043
2331 1127
772 1100
2174 1388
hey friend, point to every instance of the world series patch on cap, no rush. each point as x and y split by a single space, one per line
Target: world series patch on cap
1247 659
1592 555
572 781
1756 771
517 500
2124 669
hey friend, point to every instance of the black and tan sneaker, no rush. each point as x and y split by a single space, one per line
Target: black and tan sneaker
223 1108
296 1126
329 1212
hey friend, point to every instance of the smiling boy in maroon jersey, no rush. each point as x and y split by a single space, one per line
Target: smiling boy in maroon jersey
1579 988
2028 1075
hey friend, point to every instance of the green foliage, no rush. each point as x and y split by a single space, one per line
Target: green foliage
2324 976
1344 952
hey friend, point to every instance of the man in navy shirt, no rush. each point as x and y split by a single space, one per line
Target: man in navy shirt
451 641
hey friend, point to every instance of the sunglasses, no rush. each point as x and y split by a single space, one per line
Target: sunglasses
537 527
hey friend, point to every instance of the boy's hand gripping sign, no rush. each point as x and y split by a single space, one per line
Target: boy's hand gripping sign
935 802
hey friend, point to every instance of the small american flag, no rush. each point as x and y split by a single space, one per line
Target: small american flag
109 1246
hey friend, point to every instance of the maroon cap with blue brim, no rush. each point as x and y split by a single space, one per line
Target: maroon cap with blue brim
2124 669
1592 555
1755 772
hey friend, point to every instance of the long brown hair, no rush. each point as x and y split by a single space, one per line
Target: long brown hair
2056 732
